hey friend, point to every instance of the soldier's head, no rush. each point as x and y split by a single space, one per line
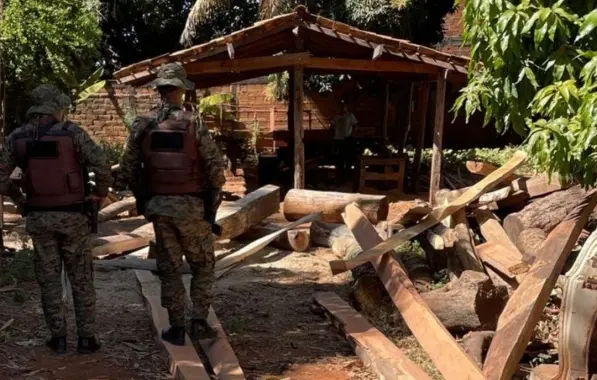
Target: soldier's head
172 83
48 102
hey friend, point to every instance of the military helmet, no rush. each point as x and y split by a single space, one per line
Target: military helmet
47 99
173 74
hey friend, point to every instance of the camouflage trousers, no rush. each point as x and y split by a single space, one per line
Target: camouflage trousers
192 239
63 238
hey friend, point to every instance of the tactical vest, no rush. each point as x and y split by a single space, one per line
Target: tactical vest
54 179
171 162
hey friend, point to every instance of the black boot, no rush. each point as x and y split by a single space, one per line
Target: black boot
202 330
57 344
174 335
88 345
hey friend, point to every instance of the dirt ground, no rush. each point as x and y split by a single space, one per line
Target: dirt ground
265 307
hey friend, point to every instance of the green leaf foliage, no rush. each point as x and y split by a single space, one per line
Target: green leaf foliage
534 69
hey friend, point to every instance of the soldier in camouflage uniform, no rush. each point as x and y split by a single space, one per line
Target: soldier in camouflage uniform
184 178
55 157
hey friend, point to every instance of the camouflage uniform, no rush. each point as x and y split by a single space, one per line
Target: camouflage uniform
60 237
178 220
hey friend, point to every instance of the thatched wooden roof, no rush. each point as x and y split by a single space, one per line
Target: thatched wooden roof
317 43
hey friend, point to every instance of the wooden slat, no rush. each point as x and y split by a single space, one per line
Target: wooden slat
438 214
438 137
392 176
502 259
299 131
539 185
374 349
363 65
185 364
447 355
523 310
492 231
422 104
246 64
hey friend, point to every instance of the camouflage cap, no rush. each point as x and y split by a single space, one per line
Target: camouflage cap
46 100
173 74
64 101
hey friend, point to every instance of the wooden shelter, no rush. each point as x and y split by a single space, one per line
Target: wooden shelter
300 43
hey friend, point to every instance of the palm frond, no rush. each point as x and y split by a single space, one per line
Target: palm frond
200 12
270 8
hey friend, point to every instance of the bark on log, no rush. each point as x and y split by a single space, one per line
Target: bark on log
294 240
530 241
476 343
470 303
114 209
325 234
545 213
299 203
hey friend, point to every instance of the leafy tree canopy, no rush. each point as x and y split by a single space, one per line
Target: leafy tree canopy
535 70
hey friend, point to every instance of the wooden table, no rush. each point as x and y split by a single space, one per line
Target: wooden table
393 170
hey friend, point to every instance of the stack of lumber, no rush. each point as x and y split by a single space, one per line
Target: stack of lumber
503 243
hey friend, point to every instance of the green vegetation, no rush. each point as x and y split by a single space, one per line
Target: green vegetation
534 69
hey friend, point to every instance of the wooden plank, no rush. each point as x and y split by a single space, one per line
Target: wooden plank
438 137
516 323
118 244
230 48
362 65
438 214
370 345
539 185
492 231
429 331
422 126
299 132
485 168
185 364
502 259
246 64
378 52
386 107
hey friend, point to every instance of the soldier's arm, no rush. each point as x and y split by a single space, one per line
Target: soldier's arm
7 166
94 158
212 158
130 164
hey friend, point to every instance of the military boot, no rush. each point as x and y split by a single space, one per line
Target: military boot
200 329
88 345
57 344
174 335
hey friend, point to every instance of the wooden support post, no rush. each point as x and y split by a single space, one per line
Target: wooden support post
422 104
386 106
297 110
438 136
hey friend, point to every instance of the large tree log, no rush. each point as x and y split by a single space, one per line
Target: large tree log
430 333
114 209
438 214
515 326
476 343
299 203
295 240
545 213
530 241
325 234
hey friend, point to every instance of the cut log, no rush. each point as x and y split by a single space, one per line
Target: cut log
512 203
530 241
299 203
113 210
407 212
539 185
185 364
495 196
545 213
485 169
431 334
515 326
324 234
370 345
464 247
476 343
439 213
293 240
346 246
503 260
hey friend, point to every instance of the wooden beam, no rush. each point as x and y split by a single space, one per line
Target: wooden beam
246 64
492 231
348 65
299 133
378 52
436 216
230 48
539 185
422 103
516 323
438 137
386 106
371 346
502 259
429 331
185 364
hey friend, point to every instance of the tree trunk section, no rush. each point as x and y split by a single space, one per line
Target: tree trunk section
293 240
325 234
113 210
476 343
531 240
299 203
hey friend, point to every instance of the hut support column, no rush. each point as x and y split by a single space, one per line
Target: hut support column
386 107
297 116
421 120
438 135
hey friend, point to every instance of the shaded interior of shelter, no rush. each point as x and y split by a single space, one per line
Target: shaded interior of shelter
399 118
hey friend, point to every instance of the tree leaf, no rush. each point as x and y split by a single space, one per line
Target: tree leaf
588 25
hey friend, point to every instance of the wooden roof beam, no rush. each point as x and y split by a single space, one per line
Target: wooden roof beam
246 64
346 65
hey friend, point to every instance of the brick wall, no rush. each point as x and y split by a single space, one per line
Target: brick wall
453 34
